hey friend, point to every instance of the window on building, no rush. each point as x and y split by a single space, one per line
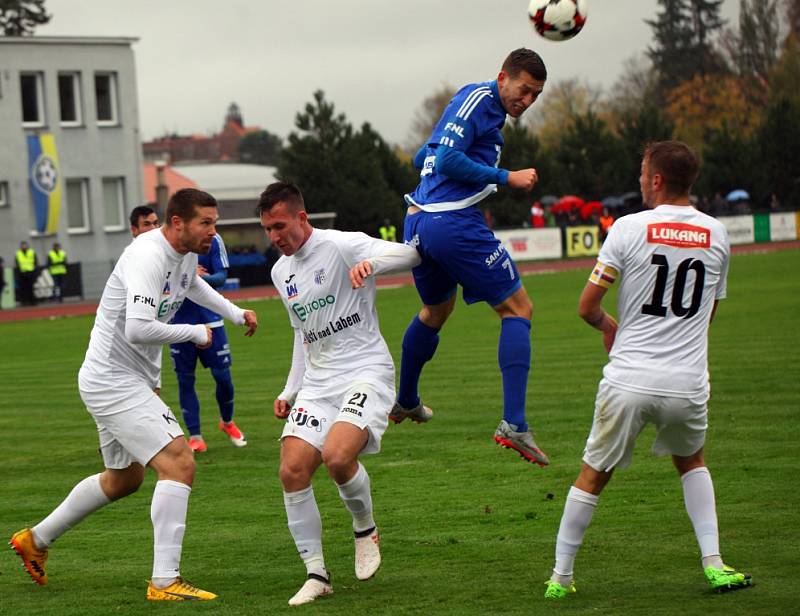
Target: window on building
78 205
113 204
31 85
4 202
105 94
69 99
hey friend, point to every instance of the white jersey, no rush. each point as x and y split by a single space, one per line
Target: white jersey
674 264
149 282
339 325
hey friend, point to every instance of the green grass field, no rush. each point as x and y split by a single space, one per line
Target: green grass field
467 527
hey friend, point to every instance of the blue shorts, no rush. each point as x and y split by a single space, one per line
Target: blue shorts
218 355
457 248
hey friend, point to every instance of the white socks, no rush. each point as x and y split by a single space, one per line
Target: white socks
357 497
698 495
578 512
85 498
168 513
306 528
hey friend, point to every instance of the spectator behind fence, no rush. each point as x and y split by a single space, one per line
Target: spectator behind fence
57 264
26 271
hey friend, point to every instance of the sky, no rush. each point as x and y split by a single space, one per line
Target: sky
375 60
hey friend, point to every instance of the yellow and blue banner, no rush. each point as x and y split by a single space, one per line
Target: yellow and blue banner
45 181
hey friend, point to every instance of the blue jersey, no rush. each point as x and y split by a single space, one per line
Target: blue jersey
471 124
216 263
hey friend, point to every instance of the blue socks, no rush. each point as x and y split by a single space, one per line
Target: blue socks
419 346
190 405
224 392
514 357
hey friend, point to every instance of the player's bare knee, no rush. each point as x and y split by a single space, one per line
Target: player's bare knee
294 475
340 464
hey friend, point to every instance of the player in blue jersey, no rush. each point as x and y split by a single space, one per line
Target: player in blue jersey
213 268
459 168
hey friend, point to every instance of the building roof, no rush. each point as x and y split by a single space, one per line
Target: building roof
175 181
68 40
229 181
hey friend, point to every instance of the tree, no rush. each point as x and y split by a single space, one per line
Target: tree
683 34
427 115
590 160
636 86
702 105
564 100
753 50
260 148
637 128
778 146
785 76
20 17
353 173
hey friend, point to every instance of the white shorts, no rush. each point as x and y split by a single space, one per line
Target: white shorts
132 434
365 405
620 416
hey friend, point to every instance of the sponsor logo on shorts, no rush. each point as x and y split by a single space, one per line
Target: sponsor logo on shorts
304 310
300 417
356 412
169 418
678 235
492 258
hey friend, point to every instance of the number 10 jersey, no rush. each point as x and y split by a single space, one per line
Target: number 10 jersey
673 261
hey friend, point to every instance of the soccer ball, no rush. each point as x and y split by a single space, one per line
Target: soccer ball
557 20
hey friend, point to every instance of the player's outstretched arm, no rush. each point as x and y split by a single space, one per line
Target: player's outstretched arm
251 321
386 257
283 403
200 292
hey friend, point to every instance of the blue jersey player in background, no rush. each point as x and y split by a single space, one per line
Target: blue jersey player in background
213 268
459 168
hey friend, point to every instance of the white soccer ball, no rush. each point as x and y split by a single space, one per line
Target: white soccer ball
557 20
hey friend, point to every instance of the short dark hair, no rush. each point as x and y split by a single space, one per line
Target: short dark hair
280 192
525 60
140 211
184 204
676 162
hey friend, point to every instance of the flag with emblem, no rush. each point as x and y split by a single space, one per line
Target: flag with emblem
45 181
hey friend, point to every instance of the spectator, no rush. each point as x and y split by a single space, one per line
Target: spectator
388 231
606 220
26 269
537 215
57 264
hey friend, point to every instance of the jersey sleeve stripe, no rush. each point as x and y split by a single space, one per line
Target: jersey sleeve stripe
223 254
469 111
469 99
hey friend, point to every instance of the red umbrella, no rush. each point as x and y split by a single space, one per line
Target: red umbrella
591 207
565 204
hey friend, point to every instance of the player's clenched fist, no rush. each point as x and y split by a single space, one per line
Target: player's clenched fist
282 408
359 272
524 179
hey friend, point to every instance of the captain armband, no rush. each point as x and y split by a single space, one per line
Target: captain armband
603 275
